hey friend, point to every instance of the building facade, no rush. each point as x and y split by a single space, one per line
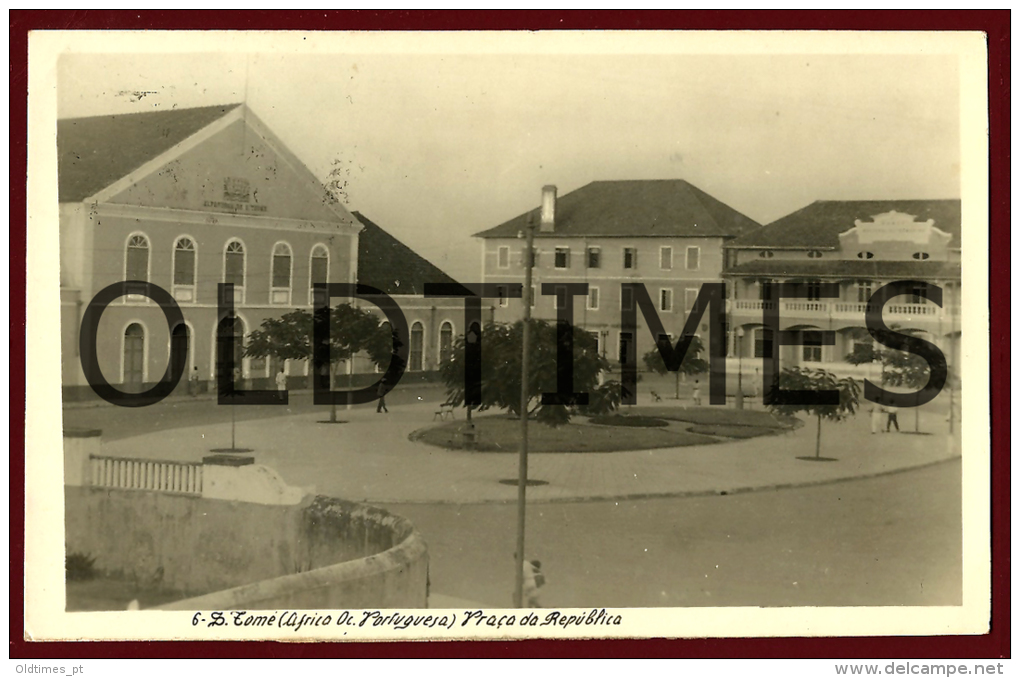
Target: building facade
187 199
667 235
858 246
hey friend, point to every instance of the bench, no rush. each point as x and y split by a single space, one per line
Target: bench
445 410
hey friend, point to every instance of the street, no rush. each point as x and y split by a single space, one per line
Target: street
892 540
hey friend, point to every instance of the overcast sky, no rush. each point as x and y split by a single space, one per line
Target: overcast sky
441 146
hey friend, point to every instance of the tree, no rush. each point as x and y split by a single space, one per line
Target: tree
806 379
908 370
501 371
899 368
352 330
690 364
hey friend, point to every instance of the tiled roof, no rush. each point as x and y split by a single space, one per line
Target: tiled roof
93 153
819 224
668 207
849 268
391 266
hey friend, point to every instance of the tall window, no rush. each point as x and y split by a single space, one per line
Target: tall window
280 293
562 257
233 268
319 269
814 290
691 300
763 343
666 258
504 295
593 298
665 300
693 258
503 258
534 257
863 291
626 298
594 257
917 293
417 347
765 290
629 257
184 269
137 258
446 342
812 349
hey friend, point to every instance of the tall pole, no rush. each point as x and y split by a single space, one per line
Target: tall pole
522 468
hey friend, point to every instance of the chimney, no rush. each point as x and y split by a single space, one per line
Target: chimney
548 223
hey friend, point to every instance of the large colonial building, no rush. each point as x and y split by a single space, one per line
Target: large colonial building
860 246
190 198
668 235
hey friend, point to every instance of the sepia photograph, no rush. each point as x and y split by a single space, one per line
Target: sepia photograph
507 335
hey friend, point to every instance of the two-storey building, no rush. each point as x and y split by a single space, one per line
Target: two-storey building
859 246
667 234
190 198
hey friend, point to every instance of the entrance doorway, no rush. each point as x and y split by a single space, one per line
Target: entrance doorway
134 358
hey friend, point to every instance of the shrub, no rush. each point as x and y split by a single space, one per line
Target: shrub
79 567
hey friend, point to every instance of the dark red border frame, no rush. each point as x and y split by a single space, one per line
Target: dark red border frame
995 23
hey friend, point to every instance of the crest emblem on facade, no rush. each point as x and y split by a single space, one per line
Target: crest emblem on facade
236 189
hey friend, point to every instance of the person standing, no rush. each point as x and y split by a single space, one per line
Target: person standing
381 392
193 383
281 383
891 421
533 581
696 394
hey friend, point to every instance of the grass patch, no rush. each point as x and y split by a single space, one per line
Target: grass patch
719 416
624 420
499 433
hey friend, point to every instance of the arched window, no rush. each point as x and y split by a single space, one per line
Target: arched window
137 258
280 293
134 358
318 269
233 268
184 269
445 342
417 347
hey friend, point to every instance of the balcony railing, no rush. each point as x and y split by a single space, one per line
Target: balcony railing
818 309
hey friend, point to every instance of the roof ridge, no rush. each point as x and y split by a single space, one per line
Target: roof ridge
226 108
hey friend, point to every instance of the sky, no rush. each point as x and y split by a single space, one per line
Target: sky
437 143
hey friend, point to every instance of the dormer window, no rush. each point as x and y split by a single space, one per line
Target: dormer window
865 255
814 254
921 256
766 254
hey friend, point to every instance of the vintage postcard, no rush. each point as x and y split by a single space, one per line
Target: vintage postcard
507 335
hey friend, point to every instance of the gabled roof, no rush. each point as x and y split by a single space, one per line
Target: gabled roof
391 266
819 224
656 208
94 152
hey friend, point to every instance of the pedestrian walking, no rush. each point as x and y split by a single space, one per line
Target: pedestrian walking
193 383
696 393
381 392
891 421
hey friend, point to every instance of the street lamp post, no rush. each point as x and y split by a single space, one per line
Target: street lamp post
522 467
740 369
